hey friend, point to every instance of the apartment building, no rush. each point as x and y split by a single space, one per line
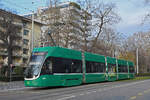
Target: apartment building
57 19
22 45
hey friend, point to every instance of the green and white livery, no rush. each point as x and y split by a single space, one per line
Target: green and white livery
56 66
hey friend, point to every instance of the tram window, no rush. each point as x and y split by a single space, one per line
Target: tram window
122 68
131 69
46 67
67 65
76 66
88 67
125 69
95 67
102 67
119 69
63 65
58 66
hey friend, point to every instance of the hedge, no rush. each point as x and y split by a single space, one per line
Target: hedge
13 78
143 74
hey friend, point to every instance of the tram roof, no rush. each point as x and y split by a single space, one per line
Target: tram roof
74 54
111 60
94 57
60 52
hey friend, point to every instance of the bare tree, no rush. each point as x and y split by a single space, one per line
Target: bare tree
86 23
72 27
9 31
111 39
51 17
104 15
64 23
146 1
141 41
109 42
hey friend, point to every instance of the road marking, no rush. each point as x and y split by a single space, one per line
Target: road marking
105 85
69 97
7 90
34 92
88 92
81 94
146 91
132 98
94 91
140 94
99 90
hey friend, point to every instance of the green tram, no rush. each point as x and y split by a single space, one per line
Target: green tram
56 66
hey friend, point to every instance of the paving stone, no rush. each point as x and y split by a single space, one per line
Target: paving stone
11 85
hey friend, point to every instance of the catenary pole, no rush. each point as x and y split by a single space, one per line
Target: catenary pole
137 66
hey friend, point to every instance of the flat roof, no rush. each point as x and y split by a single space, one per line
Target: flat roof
21 17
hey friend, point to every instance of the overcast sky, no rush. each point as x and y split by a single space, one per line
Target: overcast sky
131 12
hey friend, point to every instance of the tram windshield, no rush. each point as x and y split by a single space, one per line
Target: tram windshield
35 63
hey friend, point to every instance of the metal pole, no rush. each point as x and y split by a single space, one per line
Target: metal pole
83 67
137 66
117 67
32 30
10 74
10 69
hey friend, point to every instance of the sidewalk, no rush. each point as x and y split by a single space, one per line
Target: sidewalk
11 85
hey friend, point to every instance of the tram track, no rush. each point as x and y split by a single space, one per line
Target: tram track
45 93
53 93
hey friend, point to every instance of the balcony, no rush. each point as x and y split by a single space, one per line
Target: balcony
3 53
25 56
18 23
26 37
1 61
17 63
25 46
17 44
17 54
19 35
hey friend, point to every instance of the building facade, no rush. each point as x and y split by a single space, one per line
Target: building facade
22 45
64 21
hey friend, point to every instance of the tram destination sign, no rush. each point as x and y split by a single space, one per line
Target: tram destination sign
39 53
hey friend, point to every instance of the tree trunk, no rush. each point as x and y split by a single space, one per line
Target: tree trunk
9 50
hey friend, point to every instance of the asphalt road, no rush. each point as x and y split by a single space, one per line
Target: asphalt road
120 90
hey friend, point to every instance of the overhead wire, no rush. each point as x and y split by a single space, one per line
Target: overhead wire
18 6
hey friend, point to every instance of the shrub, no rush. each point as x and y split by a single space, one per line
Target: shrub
13 78
18 70
143 74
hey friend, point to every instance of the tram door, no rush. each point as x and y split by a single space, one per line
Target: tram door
112 72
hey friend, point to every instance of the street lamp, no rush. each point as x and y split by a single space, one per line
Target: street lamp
137 60
32 28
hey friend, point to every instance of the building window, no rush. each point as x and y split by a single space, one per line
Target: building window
24 24
25 41
25 51
25 60
26 32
